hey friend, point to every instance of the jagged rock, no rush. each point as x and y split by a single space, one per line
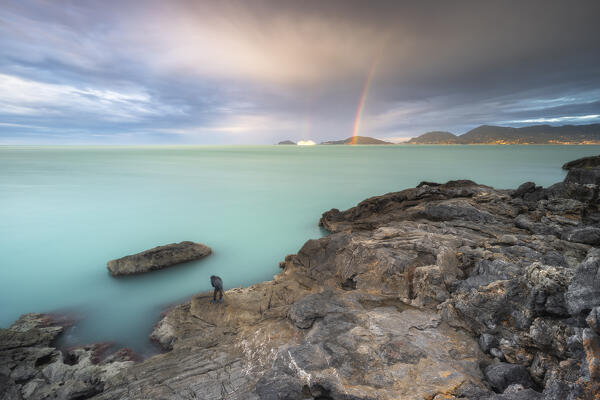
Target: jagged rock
583 176
158 258
593 319
527 187
515 392
502 375
9 390
487 342
587 235
31 369
585 162
584 291
273 386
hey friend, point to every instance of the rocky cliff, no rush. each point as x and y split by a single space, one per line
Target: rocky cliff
443 291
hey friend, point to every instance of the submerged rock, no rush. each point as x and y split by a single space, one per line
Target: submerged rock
158 258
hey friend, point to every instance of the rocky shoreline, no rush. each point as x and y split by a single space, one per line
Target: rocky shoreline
443 291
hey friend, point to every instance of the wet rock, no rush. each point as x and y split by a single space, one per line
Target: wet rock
158 258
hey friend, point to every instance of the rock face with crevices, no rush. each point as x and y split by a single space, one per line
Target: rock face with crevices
32 368
443 291
157 258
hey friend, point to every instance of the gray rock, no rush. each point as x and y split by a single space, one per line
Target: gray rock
304 312
593 319
9 390
556 390
525 222
584 292
497 353
515 393
502 375
276 386
583 176
586 234
158 258
554 258
457 209
487 342
527 187
486 272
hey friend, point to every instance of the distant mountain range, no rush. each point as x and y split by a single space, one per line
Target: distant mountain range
488 134
357 140
536 134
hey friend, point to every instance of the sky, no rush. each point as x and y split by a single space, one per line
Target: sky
257 72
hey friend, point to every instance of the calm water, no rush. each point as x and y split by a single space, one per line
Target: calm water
66 211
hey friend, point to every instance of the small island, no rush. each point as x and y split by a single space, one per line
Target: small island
357 140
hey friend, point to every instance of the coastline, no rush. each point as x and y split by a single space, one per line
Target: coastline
456 289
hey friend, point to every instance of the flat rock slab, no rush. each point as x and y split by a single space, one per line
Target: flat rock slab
158 258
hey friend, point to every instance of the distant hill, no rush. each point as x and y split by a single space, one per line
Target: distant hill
358 140
287 142
536 134
436 137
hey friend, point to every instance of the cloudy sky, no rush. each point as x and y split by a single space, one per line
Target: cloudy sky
208 72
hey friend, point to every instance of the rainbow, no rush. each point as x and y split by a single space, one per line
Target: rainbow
361 102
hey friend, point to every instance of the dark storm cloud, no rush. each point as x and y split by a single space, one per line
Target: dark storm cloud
257 72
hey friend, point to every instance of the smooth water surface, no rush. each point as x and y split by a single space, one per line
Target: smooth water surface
66 211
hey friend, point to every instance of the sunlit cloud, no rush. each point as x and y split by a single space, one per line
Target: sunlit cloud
234 41
567 118
28 97
261 72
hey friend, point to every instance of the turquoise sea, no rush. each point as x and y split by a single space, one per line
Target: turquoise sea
66 211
